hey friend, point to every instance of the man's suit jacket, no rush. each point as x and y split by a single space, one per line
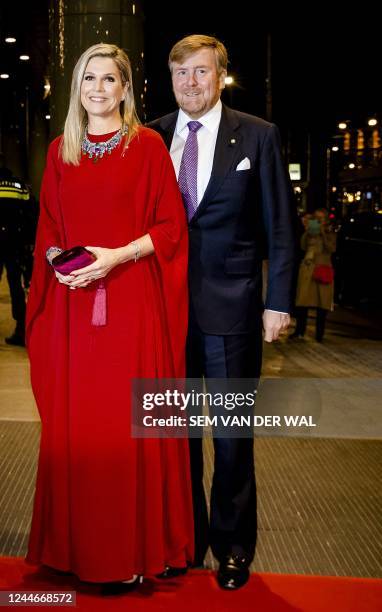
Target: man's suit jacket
245 216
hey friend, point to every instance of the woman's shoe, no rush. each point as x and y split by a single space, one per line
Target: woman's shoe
136 579
121 587
172 572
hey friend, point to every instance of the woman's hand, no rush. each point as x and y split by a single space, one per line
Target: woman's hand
106 260
64 280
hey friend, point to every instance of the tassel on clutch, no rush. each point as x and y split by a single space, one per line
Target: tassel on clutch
74 259
99 306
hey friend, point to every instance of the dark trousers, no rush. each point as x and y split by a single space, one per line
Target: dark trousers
302 318
16 290
233 523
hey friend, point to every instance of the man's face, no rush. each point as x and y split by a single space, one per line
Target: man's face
196 83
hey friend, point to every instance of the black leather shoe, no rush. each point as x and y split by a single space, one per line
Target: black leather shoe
172 572
16 339
233 572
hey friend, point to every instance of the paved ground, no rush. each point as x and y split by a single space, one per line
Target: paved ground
319 499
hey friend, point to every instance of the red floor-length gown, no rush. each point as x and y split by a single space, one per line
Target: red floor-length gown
108 505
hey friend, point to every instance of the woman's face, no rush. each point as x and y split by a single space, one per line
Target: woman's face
101 89
305 220
320 216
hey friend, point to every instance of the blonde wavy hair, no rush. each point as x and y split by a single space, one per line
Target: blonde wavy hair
76 119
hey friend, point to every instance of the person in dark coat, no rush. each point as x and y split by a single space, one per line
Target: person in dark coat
17 231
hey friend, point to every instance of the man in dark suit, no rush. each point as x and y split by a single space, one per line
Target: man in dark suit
238 200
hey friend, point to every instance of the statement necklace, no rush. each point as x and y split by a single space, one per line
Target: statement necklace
96 150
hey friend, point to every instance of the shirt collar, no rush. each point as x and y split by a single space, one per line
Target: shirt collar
210 120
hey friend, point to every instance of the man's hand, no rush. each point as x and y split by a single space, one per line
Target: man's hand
274 323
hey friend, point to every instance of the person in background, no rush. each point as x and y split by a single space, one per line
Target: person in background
240 208
315 283
18 218
302 226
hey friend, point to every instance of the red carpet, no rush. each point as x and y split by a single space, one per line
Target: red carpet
198 591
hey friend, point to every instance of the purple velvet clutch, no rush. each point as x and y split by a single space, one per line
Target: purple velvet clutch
72 259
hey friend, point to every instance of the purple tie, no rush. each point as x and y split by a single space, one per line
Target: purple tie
188 171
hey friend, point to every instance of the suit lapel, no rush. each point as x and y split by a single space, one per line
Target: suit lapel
226 150
167 125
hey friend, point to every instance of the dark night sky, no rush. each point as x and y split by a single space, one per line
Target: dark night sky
324 69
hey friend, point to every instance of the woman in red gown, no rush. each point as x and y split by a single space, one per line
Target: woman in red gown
108 506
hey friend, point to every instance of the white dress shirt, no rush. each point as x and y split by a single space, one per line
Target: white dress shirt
206 136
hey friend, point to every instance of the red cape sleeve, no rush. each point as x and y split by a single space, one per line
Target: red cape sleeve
49 233
170 238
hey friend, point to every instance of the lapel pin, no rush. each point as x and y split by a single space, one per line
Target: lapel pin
232 141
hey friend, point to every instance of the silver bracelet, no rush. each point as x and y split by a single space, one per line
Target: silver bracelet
137 253
52 249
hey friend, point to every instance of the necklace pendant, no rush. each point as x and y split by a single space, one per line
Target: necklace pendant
96 150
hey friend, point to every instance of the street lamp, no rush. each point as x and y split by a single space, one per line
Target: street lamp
229 81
